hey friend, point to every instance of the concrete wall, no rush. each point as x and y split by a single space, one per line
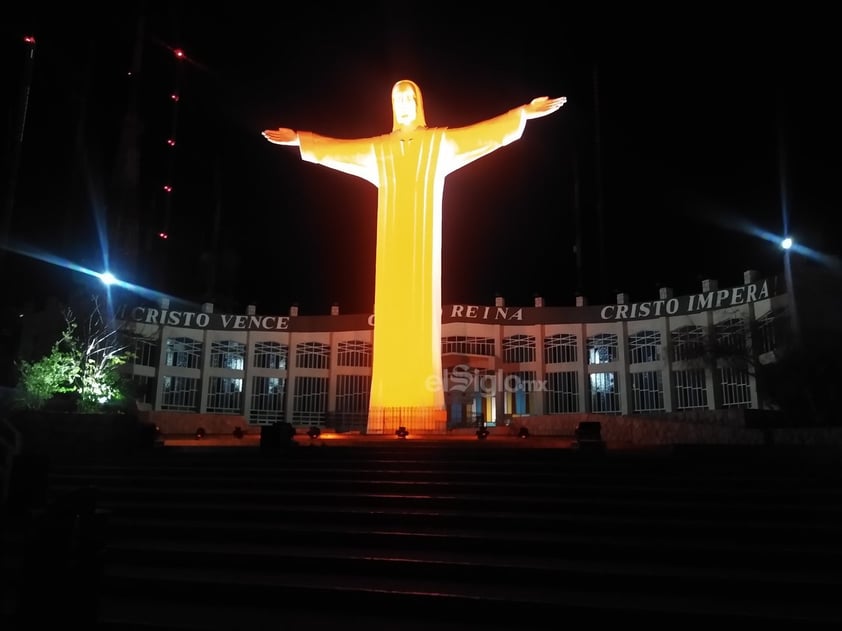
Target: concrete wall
189 422
704 427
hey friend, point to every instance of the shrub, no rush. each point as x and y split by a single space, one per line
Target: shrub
84 361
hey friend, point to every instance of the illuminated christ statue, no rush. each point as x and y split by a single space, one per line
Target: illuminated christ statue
408 167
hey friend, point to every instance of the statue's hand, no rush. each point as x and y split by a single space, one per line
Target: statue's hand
543 105
281 136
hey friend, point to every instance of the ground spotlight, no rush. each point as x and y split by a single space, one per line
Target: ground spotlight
401 432
314 432
482 432
523 432
200 433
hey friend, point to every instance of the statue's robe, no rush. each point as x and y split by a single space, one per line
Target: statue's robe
409 169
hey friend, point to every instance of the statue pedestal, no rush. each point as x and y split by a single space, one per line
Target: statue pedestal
416 420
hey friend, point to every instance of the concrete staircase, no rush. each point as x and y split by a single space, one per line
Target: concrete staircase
461 535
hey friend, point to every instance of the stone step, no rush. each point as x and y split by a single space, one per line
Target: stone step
438 600
655 544
498 482
556 509
408 536
521 571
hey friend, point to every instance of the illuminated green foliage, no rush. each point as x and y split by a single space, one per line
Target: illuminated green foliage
86 361
54 374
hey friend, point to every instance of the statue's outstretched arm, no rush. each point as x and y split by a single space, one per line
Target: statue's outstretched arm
281 136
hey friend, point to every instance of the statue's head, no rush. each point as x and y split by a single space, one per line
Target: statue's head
407 106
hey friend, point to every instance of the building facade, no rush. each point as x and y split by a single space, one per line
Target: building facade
500 363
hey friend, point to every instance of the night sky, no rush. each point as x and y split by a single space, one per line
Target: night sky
682 132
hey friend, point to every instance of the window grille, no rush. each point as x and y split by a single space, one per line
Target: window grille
271 355
352 396
312 355
562 393
356 353
519 349
731 336
225 395
145 353
688 343
228 354
690 389
605 393
644 346
602 348
144 388
560 348
309 400
647 391
767 332
736 390
268 399
518 386
464 345
180 393
183 352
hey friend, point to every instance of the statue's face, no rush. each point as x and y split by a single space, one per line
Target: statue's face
404 105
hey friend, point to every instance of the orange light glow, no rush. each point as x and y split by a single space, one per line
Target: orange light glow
408 167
